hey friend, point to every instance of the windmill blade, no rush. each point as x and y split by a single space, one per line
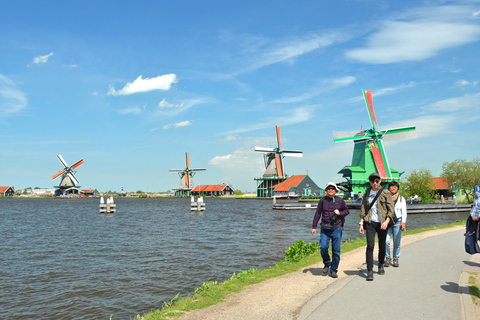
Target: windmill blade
279 143
187 179
59 156
58 173
384 159
72 177
292 153
371 113
176 170
399 134
278 162
77 164
187 160
340 136
200 169
261 149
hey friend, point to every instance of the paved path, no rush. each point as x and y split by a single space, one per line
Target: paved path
427 285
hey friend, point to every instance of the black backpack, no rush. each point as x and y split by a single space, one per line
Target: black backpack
472 236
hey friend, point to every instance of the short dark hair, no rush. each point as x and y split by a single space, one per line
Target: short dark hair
393 184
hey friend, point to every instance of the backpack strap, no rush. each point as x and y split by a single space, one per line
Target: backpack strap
374 199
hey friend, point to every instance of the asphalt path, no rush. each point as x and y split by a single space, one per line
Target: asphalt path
427 285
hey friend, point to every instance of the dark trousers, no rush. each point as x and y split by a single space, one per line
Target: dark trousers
370 230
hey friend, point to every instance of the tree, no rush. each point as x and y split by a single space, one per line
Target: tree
465 174
420 182
139 191
238 192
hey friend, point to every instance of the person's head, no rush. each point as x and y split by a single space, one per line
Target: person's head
375 181
331 189
393 187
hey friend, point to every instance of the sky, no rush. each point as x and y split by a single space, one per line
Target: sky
129 87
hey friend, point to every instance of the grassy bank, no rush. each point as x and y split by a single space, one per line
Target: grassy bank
214 292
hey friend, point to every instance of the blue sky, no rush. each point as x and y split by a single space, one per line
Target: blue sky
131 86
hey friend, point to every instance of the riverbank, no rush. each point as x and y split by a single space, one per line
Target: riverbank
283 296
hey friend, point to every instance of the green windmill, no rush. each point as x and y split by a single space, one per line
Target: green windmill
369 153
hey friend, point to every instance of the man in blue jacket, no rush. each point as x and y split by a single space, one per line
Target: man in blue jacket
331 212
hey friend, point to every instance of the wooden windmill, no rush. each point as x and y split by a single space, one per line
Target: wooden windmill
274 169
69 182
369 153
186 178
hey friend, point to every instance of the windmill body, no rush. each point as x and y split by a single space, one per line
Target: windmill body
186 178
274 169
68 183
369 153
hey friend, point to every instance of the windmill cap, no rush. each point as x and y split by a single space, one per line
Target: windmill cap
332 184
374 176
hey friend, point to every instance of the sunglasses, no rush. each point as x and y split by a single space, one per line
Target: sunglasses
330 189
375 181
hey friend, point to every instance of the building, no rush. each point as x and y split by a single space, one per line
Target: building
90 192
297 186
213 190
6 191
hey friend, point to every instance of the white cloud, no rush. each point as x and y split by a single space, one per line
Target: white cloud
130 111
12 100
144 85
476 13
165 104
169 109
298 115
42 59
463 83
455 104
178 124
326 85
418 35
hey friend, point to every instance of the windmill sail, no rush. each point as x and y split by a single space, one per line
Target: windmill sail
374 138
274 157
186 175
68 177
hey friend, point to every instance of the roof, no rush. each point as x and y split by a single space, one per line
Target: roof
4 189
440 183
210 188
88 190
293 181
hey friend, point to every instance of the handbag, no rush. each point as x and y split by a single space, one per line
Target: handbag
327 226
395 218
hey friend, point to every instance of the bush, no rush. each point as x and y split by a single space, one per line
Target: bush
300 250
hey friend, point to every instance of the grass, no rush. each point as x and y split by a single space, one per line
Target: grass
213 292
472 286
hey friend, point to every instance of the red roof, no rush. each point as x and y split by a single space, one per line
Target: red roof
440 183
293 181
210 188
3 189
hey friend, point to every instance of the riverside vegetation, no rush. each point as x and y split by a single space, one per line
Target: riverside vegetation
297 256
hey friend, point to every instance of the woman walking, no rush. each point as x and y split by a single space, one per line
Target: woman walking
397 229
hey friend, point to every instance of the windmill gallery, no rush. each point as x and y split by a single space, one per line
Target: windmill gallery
368 156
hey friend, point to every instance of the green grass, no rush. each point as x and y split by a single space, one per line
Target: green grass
210 293
472 286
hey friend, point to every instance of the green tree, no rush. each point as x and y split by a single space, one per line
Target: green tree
139 191
420 182
465 174
238 192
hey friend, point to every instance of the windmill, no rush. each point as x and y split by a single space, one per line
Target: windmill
186 178
68 176
369 153
274 169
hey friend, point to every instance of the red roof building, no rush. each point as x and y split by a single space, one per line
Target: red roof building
297 186
213 190
6 191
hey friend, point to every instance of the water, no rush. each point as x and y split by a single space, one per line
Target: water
61 259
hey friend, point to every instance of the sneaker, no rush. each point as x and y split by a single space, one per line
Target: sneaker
326 269
370 275
395 262
381 270
387 262
333 275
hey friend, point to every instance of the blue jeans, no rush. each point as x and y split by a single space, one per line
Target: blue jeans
397 239
336 236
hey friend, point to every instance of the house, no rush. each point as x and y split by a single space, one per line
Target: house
297 186
441 187
213 190
90 192
6 191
